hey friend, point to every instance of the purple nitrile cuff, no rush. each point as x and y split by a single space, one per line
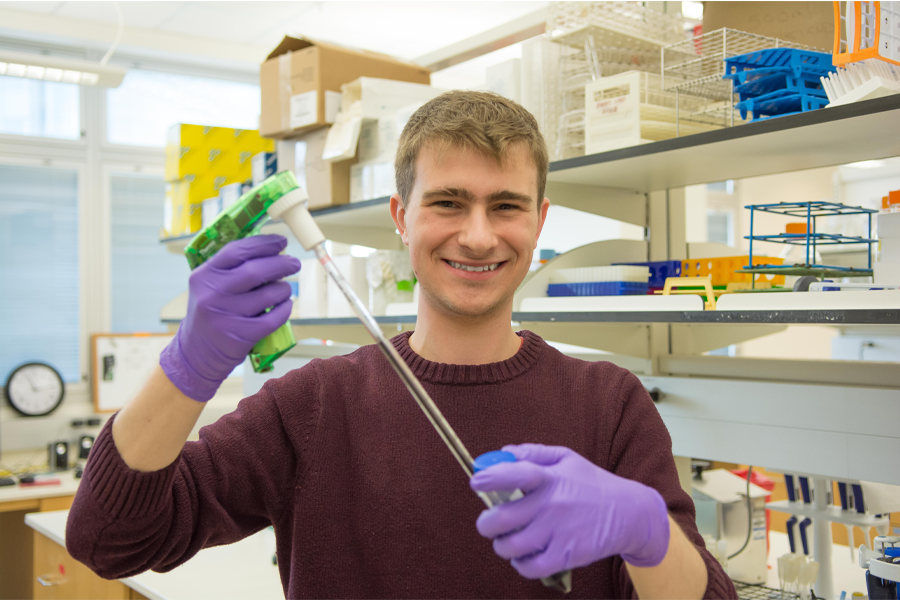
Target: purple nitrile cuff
658 532
180 373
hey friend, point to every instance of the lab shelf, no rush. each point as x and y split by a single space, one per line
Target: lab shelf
830 136
753 317
831 513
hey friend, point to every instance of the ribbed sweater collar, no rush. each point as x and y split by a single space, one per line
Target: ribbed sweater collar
448 374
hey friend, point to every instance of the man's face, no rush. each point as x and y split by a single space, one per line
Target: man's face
471 226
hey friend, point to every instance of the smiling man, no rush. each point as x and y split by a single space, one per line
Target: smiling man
365 499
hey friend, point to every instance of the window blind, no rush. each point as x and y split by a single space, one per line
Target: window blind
144 275
39 283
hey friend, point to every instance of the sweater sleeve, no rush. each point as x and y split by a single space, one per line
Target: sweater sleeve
234 481
641 450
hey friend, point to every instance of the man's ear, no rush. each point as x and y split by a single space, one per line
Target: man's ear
398 214
542 216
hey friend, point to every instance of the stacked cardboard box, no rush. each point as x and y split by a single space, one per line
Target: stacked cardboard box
326 183
373 114
200 160
301 80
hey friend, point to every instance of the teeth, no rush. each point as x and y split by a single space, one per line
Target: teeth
462 267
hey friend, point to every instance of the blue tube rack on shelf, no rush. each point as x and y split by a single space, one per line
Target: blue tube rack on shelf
660 270
598 288
798 61
776 82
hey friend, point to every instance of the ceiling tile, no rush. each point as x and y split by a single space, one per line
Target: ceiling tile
406 29
136 14
197 19
41 7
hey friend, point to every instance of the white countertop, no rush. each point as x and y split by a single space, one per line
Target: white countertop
245 569
67 486
235 572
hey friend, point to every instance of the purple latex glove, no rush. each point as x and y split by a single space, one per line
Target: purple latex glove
573 514
227 299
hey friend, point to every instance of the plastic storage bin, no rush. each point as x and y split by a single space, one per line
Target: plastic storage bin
722 269
660 270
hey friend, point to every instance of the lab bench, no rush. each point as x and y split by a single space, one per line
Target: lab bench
237 571
16 546
245 570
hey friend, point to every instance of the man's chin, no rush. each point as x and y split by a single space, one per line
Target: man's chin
469 309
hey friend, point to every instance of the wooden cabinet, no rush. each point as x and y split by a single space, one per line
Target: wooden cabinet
16 546
58 575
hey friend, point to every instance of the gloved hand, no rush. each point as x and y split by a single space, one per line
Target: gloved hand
227 297
573 514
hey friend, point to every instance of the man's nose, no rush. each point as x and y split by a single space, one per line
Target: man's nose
477 233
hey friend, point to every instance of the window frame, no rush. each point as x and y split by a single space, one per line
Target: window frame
85 296
96 160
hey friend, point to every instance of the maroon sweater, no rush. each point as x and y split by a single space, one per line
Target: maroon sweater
365 499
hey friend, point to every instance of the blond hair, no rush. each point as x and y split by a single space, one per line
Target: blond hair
482 121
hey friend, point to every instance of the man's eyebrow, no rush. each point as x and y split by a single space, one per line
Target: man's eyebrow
448 193
465 194
510 195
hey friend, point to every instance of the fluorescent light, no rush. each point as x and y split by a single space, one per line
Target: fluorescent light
34 72
15 70
49 68
866 164
71 76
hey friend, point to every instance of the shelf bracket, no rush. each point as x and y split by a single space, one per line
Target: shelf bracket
627 206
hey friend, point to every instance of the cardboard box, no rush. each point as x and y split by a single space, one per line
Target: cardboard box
809 23
229 194
264 165
297 76
382 98
183 208
371 110
211 209
326 183
199 150
372 180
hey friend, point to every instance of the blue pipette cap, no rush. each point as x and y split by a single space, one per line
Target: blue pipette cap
489 459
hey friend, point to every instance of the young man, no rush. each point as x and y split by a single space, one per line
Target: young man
365 499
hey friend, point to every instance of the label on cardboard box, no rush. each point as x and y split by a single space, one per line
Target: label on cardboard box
343 137
304 109
332 105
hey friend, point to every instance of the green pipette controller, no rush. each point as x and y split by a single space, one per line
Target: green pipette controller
242 219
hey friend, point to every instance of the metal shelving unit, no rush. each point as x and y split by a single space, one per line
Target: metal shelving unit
810 211
785 414
821 138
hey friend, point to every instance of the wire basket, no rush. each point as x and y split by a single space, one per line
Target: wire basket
596 40
632 108
696 67
755 591
702 58
613 25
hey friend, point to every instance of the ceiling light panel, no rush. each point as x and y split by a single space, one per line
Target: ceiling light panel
50 68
